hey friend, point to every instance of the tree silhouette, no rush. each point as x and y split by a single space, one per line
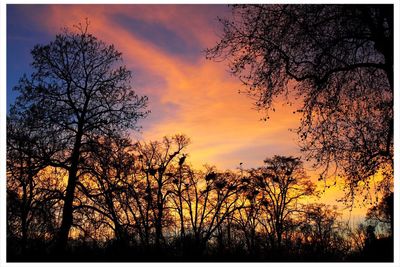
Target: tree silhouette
248 217
382 213
22 169
321 230
339 59
155 164
179 188
280 184
80 91
75 177
105 175
29 201
211 198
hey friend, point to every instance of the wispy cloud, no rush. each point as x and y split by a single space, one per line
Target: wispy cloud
162 45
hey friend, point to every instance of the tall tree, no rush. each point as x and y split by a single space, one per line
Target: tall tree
81 91
320 229
211 198
281 183
339 59
28 197
105 175
22 167
156 161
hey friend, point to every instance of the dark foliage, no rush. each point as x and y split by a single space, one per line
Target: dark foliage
128 212
337 60
78 91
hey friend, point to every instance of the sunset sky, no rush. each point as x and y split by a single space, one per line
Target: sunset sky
162 45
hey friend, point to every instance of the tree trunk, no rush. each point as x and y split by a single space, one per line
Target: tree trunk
67 216
279 237
24 218
67 213
159 229
181 213
24 238
160 211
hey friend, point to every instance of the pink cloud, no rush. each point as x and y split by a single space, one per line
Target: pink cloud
198 98
208 107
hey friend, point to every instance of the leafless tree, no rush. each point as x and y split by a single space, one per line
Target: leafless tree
280 184
80 90
321 228
156 161
107 168
247 218
339 60
29 197
211 199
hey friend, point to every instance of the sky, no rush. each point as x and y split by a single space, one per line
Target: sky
163 46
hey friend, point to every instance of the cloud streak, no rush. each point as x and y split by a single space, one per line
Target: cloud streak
197 98
162 45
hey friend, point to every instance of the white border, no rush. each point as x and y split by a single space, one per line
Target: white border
3 79
3 93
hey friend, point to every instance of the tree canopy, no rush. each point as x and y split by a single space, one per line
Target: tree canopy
77 92
339 60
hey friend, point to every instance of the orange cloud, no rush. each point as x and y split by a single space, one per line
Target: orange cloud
197 98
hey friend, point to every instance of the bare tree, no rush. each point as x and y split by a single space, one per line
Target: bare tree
21 171
156 161
81 90
280 184
104 176
137 203
211 199
30 198
340 60
248 217
179 189
321 228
